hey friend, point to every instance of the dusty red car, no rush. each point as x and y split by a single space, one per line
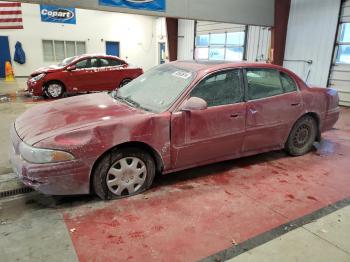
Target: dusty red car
175 116
85 73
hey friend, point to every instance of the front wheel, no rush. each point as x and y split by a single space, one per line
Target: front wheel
302 136
54 90
124 82
122 173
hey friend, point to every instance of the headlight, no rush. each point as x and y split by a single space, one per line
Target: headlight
40 156
38 77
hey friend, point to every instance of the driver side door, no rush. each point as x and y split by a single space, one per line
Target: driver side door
204 136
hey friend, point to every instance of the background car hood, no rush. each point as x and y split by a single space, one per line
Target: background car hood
58 117
48 69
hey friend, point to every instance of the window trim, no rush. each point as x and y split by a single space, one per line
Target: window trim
266 68
188 95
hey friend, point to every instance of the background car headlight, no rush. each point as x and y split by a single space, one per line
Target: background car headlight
40 156
38 77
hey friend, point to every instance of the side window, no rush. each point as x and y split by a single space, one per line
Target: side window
288 83
94 62
114 62
104 62
220 88
82 64
263 83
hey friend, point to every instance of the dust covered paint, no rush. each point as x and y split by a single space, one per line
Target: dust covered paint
89 126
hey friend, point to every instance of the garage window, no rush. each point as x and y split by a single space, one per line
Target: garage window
57 50
221 88
343 44
220 46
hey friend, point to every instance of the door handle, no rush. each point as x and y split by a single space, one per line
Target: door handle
234 115
295 104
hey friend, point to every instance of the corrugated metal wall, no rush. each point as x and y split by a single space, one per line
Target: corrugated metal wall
311 30
186 39
340 72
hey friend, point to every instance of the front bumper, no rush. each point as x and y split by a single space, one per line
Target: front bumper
64 178
35 88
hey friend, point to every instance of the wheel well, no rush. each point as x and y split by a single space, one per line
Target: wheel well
317 119
154 154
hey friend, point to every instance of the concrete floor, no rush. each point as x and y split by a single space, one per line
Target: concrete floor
270 207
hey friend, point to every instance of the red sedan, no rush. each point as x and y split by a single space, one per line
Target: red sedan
175 116
86 73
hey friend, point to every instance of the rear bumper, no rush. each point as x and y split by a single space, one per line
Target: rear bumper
64 178
332 117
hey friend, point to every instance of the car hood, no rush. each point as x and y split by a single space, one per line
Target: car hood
65 115
48 69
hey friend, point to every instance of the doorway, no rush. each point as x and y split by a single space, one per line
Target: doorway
112 48
4 54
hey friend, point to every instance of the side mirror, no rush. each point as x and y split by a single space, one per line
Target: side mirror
71 68
194 103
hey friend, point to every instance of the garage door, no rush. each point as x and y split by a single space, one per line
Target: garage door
340 71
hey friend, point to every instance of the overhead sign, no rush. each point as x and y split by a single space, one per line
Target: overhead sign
151 5
57 14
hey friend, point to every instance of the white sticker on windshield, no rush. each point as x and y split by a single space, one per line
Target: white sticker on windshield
182 74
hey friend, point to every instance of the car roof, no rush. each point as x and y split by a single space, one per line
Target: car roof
98 55
205 65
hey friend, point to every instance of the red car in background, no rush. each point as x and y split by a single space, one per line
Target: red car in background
78 74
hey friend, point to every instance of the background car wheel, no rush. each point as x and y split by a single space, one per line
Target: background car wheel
302 136
54 89
123 173
124 82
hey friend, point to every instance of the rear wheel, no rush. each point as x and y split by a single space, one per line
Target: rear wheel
54 89
302 136
123 173
124 82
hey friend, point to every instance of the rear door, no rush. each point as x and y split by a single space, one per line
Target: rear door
216 132
273 105
111 73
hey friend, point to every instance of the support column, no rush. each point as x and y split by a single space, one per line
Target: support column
172 34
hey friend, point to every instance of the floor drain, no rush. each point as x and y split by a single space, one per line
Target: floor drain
17 191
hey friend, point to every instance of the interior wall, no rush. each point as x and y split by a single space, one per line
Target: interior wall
138 36
311 31
186 39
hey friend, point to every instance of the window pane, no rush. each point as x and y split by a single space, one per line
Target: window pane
94 62
216 53
288 83
236 38
81 49
114 62
345 33
59 50
217 39
48 50
220 89
70 48
343 55
103 62
202 53
82 64
234 53
202 40
263 83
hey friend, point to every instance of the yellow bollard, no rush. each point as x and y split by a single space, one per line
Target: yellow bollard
9 77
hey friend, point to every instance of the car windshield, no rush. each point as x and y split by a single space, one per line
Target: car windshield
157 89
66 61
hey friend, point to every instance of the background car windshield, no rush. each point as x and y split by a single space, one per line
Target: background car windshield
157 89
66 61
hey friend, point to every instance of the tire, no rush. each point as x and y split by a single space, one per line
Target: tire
54 90
124 82
110 181
302 136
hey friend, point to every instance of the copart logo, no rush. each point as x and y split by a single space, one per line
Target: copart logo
59 14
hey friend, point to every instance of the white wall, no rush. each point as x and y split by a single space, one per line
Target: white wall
311 30
186 39
138 36
258 43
